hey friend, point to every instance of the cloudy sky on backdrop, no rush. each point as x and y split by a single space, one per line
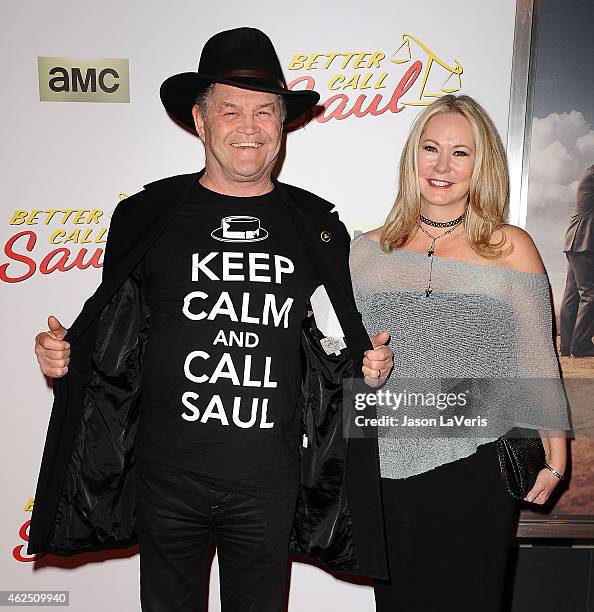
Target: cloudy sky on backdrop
563 126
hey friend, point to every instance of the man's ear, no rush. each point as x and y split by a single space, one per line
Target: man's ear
198 121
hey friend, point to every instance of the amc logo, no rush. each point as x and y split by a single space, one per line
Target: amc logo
63 79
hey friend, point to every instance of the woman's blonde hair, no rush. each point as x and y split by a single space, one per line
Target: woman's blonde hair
488 198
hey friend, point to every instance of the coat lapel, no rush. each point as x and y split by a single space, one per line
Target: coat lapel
319 235
160 204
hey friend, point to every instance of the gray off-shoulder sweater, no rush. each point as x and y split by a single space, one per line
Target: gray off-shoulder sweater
484 329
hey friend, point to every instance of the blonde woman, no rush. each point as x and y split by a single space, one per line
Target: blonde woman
465 298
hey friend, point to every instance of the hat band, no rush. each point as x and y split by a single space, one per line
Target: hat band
257 74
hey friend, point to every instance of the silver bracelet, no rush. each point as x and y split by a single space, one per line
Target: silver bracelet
552 469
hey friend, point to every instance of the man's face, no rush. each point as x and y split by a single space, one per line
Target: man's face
241 134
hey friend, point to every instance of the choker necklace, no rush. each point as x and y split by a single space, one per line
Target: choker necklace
452 225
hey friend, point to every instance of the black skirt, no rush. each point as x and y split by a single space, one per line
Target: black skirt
448 533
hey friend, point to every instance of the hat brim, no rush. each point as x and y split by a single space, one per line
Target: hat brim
178 95
218 235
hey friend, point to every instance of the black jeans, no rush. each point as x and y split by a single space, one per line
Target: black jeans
177 516
448 532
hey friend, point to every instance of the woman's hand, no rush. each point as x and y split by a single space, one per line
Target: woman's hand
545 484
555 447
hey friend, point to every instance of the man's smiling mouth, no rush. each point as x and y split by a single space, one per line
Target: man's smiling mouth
246 145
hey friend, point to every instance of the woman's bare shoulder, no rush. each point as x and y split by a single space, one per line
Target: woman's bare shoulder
524 256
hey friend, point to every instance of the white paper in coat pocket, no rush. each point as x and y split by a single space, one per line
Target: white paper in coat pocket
324 313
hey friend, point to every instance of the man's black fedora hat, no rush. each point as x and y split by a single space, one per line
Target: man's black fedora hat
244 58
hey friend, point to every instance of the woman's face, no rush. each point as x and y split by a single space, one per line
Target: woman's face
446 161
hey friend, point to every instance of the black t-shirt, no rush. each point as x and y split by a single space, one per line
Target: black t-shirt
227 283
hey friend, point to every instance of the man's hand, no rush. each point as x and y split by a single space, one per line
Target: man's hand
53 352
378 362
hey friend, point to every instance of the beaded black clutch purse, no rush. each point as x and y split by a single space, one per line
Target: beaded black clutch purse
520 460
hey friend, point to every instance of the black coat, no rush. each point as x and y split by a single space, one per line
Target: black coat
85 498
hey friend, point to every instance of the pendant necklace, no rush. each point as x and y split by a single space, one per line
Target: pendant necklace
452 225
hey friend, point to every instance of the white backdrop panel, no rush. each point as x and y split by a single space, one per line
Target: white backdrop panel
73 156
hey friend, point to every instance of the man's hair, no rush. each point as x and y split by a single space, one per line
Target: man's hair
204 98
488 198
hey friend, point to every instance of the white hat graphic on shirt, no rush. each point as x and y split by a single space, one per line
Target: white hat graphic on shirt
240 228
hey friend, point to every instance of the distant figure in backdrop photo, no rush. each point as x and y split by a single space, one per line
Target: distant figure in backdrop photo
577 307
